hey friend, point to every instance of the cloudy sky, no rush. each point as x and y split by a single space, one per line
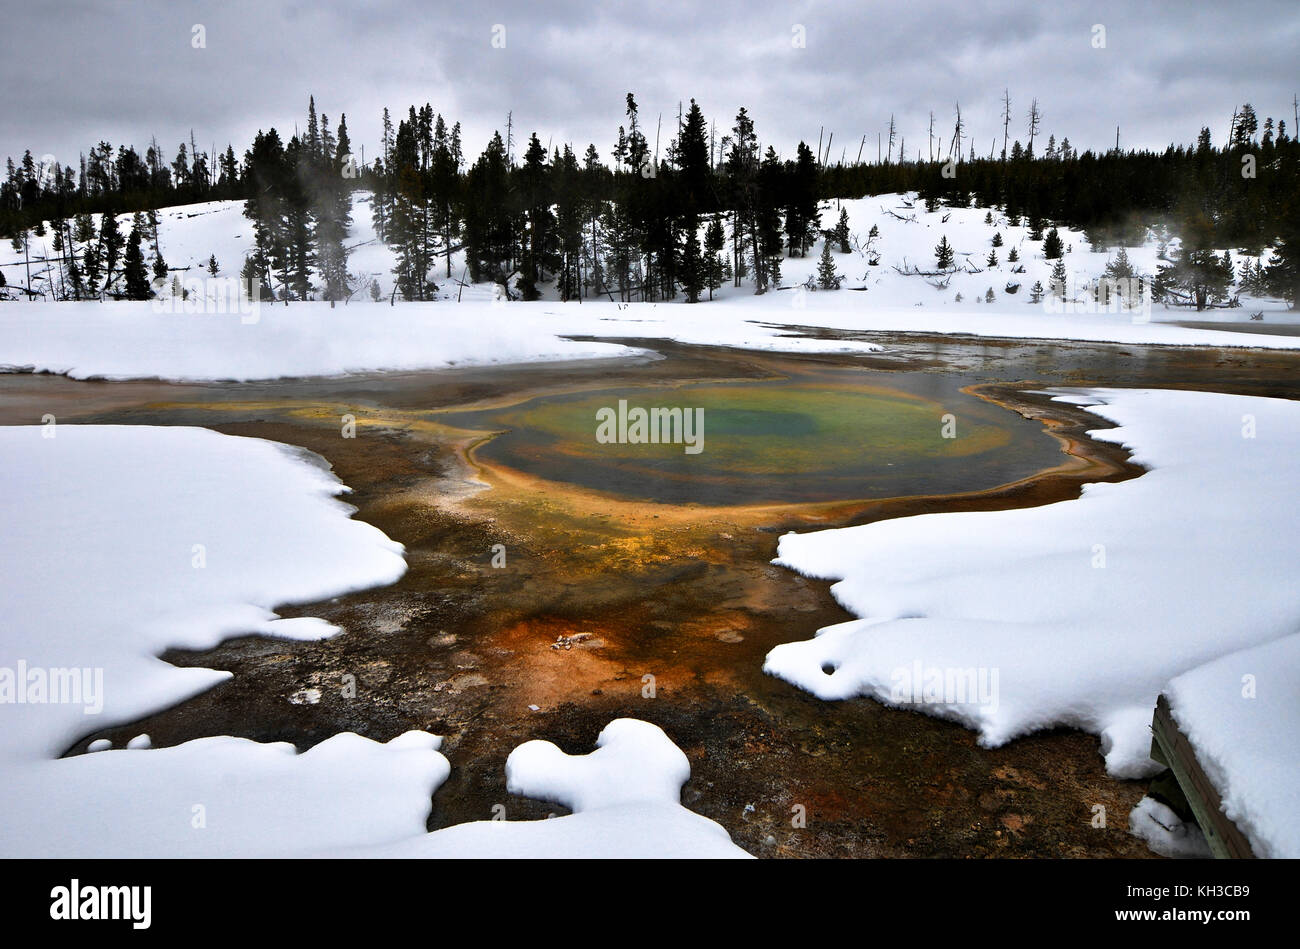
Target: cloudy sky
76 73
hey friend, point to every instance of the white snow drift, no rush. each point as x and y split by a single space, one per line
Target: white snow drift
1241 713
121 541
625 797
1084 609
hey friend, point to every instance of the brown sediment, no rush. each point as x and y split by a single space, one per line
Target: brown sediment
684 594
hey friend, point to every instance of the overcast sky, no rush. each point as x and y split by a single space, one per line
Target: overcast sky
76 73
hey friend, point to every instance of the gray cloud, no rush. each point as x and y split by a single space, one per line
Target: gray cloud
122 72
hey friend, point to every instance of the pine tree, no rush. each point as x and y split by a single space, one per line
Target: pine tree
943 253
536 190
111 242
490 223
1052 246
714 240
253 276
768 219
992 259
136 276
1120 268
997 238
1059 279
213 269
267 168
802 216
827 278
1196 274
84 233
1014 256
692 270
841 233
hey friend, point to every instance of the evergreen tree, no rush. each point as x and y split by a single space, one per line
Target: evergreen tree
1283 274
1059 279
841 233
943 253
489 220
1195 274
111 242
827 278
714 241
742 180
802 216
135 274
254 278
1052 246
770 236
84 233
1120 268
692 269
538 245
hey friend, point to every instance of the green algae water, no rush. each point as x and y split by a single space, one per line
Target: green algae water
811 439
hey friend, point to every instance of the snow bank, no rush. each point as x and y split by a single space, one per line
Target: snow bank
1241 713
121 541
625 798
134 340
1076 613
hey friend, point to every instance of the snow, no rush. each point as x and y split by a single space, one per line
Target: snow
129 340
100 573
122 541
1075 613
215 335
625 798
1241 714
1165 833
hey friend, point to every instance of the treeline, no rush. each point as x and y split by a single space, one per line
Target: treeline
1245 194
643 227
649 224
299 198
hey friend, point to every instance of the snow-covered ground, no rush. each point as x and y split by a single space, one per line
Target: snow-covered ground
1241 713
215 335
1076 613
122 541
625 797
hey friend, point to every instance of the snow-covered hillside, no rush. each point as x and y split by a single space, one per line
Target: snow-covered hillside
212 331
906 236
